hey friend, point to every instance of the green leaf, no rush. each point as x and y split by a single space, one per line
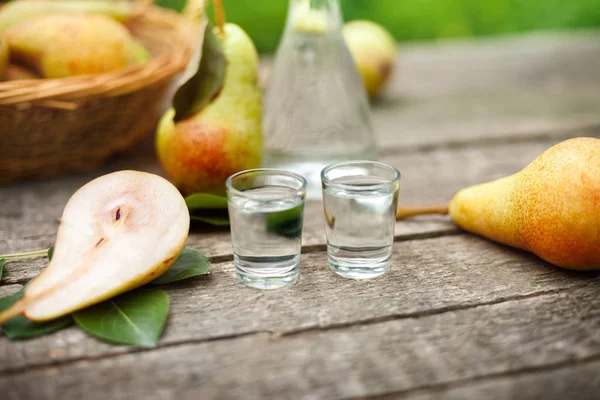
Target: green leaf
11 299
176 5
216 221
50 253
22 328
206 83
189 263
2 261
208 208
287 223
206 201
134 318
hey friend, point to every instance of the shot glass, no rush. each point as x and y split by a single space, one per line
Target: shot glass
360 200
266 209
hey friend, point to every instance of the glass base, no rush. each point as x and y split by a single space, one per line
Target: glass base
359 269
267 272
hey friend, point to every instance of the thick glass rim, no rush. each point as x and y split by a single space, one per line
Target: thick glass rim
349 186
267 171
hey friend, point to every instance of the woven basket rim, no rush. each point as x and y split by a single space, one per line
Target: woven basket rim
65 92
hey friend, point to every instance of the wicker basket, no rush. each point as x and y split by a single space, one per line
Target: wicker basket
53 126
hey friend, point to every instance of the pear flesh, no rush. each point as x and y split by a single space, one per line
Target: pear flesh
550 208
117 232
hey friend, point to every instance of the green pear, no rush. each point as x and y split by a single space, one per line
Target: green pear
61 45
201 151
18 11
550 208
374 52
116 233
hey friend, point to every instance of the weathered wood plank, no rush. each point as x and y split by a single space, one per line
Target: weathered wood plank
428 276
571 381
9 289
531 60
396 355
515 86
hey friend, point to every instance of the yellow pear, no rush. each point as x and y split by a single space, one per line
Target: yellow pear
15 72
200 152
374 51
61 45
550 208
4 58
18 11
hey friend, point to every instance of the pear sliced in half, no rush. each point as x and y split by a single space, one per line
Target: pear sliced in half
117 232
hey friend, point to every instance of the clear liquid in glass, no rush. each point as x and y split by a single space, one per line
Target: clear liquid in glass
266 236
360 226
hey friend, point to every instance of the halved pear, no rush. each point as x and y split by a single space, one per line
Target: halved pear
117 232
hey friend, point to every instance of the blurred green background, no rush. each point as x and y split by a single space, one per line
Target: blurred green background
422 19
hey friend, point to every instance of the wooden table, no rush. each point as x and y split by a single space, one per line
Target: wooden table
458 317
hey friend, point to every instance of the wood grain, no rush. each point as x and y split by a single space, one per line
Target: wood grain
391 356
497 89
578 380
428 276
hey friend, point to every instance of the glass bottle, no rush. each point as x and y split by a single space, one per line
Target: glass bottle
316 108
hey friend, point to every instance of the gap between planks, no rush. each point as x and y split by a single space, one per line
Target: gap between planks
292 333
438 388
314 248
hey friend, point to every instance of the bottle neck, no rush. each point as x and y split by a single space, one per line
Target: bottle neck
314 16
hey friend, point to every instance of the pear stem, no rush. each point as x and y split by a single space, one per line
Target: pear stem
219 15
14 311
405 212
23 256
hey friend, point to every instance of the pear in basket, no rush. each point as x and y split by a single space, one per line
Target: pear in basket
201 150
18 11
60 45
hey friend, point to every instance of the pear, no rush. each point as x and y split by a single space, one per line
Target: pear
116 233
201 151
374 51
4 58
18 11
15 72
61 45
550 208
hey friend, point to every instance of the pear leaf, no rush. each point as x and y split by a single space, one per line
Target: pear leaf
22 328
2 261
50 253
287 223
134 318
190 263
212 220
206 83
176 5
204 201
208 208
